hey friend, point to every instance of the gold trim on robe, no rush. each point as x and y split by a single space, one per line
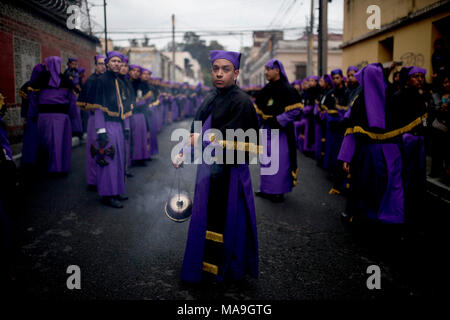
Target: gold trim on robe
214 236
387 135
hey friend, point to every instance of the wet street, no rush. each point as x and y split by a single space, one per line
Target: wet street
306 253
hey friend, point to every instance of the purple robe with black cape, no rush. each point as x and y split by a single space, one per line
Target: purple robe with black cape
408 108
336 104
86 101
112 112
222 238
372 149
148 93
57 116
279 104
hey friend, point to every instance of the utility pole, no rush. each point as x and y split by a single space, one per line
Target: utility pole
173 47
88 16
323 37
106 32
310 45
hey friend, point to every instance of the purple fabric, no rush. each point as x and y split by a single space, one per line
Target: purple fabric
327 78
91 173
135 66
314 77
417 70
36 71
308 132
153 139
54 66
233 57
352 68
347 148
281 181
111 178
336 71
30 138
276 64
112 54
372 80
4 142
377 190
140 149
71 60
55 140
240 246
146 70
81 70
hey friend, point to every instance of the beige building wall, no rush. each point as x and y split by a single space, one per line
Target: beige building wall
355 13
412 45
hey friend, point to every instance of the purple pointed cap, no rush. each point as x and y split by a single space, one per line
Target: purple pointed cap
233 57
417 70
336 71
54 67
372 80
352 68
112 54
276 64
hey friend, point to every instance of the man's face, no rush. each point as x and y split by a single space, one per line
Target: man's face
272 74
223 73
312 82
135 73
337 80
397 77
416 80
351 77
100 66
145 76
322 83
114 64
446 85
73 65
123 69
305 85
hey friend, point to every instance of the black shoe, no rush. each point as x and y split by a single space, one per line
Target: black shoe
129 174
262 195
112 202
92 187
122 197
277 198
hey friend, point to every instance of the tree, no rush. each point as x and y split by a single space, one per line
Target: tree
200 51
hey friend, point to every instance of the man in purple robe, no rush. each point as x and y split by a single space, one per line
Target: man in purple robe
86 101
148 96
320 125
140 134
278 104
371 152
335 104
125 77
30 137
112 125
54 109
222 239
410 107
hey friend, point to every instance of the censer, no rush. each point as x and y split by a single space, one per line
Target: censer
178 207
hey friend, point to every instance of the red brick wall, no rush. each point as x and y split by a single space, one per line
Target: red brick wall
51 44
7 63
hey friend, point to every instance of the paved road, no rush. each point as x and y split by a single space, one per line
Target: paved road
136 252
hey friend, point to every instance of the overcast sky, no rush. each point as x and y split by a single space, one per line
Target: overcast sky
153 17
